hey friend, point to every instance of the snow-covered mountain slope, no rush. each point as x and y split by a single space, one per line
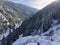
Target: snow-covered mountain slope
52 38
38 24
12 13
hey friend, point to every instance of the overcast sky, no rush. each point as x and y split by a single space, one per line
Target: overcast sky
39 4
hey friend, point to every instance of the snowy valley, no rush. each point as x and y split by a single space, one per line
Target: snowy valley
24 25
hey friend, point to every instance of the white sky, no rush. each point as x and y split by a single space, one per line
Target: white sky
39 4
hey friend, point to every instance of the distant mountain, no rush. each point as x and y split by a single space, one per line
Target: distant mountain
38 4
12 13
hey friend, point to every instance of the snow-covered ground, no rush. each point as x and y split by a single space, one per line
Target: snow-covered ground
53 38
5 34
18 24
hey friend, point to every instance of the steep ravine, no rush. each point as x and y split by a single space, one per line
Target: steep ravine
44 18
11 17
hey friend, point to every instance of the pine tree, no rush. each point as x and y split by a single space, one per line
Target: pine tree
38 43
3 42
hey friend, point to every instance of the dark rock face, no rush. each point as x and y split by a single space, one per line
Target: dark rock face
31 24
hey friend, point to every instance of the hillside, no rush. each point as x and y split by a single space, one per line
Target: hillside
45 24
43 19
12 13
